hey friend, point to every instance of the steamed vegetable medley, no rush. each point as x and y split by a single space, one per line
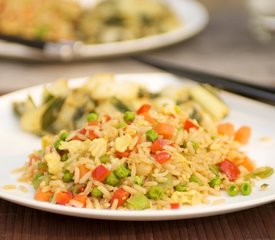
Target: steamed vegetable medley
154 153
62 107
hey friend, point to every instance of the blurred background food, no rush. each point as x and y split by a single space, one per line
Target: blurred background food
107 21
63 107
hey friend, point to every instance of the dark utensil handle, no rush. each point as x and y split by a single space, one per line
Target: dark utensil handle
232 85
30 43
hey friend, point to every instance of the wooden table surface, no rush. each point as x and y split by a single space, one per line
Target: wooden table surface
226 47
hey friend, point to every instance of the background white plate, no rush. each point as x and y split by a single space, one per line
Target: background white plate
193 15
15 146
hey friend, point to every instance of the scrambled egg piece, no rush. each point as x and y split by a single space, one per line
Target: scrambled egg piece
98 147
191 197
75 146
123 142
54 163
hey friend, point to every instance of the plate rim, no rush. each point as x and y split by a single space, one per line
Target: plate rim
95 51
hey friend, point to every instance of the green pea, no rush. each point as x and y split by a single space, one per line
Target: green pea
57 144
64 157
129 116
96 193
215 169
215 182
195 145
155 193
121 125
112 180
37 179
181 187
194 178
232 190
246 189
92 117
151 135
104 158
138 180
67 177
122 171
138 202
63 136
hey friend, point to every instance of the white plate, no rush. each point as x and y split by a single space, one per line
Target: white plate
193 15
15 146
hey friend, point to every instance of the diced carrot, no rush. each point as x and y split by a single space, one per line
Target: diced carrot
189 124
83 170
226 129
63 198
121 195
107 118
248 164
92 135
81 198
92 123
165 129
243 134
157 145
43 196
81 131
144 108
148 118
174 205
122 154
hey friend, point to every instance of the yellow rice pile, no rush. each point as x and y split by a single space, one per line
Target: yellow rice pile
192 152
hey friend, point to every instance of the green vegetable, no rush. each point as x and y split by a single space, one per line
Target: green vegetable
138 202
68 177
181 187
195 145
194 178
63 136
112 180
232 190
215 169
168 184
51 113
210 102
64 157
262 172
246 188
96 193
138 180
122 171
121 125
129 116
155 193
104 158
57 144
92 117
215 182
42 166
151 135
37 179
119 105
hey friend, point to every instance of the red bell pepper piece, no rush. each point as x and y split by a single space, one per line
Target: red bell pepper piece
230 169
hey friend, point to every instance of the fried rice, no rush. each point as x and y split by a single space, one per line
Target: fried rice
145 159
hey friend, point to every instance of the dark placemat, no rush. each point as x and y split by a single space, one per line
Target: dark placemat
17 222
